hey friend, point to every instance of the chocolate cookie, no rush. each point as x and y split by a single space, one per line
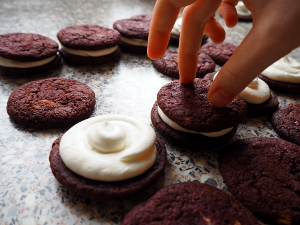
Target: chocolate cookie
220 53
280 86
196 124
168 64
51 103
264 109
264 174
190 203
26 53
89 44
134 33
100 190
174 39
285 122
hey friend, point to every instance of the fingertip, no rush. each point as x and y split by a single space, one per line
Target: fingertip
157 45
219 97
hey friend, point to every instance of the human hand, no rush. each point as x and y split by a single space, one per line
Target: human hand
275 32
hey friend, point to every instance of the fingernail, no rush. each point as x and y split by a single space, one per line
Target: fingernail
220 98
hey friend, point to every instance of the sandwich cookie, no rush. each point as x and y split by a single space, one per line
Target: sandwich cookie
26 53
89 44
184 116
283 75
134 33
175 33
261 101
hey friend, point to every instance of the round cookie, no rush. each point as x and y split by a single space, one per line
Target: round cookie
89 44
100 190
187 105
134 33
51 103
190 203
264 109
27 53
280 86
285 122
220 53
264 175
168 64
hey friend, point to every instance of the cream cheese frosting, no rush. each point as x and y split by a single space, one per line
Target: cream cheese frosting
285 69
176 126
11 63
256 92
177 27
242 9
92 53
109 148
134 41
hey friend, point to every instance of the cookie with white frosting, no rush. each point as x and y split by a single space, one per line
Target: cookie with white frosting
261 101
220 53
286 122
168 64
190 203
89 44
102 158
27 53
243 13
176 30
283 75
134 33
264 174
51 103
184 116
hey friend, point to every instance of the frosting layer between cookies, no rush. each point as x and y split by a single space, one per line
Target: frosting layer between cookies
134 41
256 92
94 53
242 10
11 63
175 126
109 148
285 69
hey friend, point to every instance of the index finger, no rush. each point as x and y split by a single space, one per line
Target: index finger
164 16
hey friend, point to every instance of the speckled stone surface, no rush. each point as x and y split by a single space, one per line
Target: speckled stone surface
29 192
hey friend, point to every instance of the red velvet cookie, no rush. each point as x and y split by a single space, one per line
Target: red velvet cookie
26 53
89 44
168 64
51 103
134 29
190 203
187 106
264 175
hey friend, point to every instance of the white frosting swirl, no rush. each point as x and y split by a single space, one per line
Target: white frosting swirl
177 27
94 53
109 148
134 41
176 126
256 92
242 10
285 69
11 63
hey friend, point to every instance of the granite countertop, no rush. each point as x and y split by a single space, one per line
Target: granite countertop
29 192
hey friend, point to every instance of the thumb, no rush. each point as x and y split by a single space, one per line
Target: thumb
252 56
